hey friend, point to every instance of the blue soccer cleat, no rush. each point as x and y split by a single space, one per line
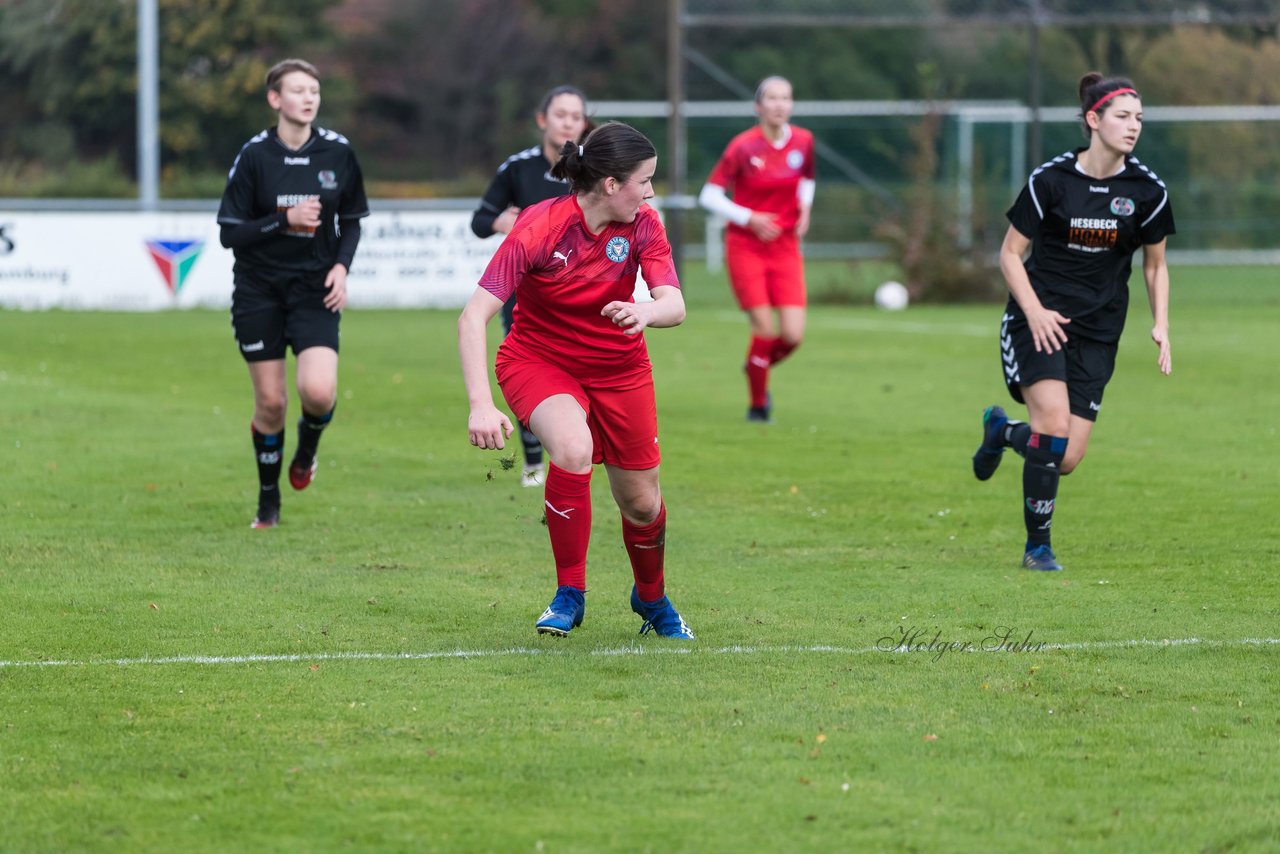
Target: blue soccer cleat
660 617
987 458
563 614
1041 558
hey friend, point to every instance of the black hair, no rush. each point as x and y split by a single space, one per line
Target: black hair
613 150
1094 88
552 94
556 93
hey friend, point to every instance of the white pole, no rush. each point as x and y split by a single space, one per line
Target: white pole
964 183
148 105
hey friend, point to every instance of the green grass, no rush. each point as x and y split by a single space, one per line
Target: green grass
793 550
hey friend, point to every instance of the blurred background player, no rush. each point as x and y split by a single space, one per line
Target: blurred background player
575 367
770 172
525 179
1083 215
291 213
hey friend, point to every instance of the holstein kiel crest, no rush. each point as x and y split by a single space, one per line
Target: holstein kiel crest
175 258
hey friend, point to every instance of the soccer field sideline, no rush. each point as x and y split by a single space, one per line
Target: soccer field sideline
736 649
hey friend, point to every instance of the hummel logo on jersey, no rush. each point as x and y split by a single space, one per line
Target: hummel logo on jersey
254 347
1099 189
297 161
563 257
564 514
757 162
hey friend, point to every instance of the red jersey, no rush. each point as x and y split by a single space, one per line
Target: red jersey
563 275
764 178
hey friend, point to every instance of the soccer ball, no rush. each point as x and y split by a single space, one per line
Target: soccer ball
892 296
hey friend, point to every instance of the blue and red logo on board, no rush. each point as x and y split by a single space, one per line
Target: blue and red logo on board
175 258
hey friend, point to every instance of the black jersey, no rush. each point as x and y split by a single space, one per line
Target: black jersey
524 179
1083 234
267 178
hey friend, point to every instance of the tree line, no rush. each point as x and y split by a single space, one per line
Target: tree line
435 94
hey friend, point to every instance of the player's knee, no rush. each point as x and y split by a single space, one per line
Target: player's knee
317 395
642 509
1053 424
572 454
269 410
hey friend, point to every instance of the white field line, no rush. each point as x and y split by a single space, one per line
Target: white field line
921 649
896 326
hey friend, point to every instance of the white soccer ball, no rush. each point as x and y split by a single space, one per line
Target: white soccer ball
892 296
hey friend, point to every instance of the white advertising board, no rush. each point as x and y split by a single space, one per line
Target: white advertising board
130 261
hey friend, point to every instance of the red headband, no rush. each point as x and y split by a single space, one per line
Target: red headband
1109 96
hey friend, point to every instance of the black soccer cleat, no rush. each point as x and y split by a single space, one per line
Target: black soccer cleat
268 511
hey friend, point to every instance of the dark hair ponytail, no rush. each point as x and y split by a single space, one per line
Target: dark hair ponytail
613 150
1093 91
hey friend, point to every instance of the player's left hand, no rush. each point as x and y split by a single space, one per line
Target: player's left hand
336 284
631 316
802 224
1160 335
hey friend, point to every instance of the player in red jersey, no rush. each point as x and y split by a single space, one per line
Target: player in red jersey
770 171
522 180
575 367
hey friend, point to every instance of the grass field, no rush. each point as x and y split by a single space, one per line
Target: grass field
367 676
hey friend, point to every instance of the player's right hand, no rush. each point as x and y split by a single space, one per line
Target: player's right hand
489 428
305 214
764 226
1046 329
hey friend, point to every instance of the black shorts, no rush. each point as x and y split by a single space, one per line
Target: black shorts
268 317
1085 366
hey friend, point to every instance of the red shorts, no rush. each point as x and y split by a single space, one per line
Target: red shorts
623 420
765 274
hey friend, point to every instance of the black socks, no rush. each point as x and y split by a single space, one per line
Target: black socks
1040 475
1016 434
309 429
268 448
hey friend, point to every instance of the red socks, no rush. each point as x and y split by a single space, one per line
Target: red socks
764 354
758 362
568 507
782 348
646 547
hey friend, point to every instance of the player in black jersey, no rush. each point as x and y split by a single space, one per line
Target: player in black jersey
1082 215
525 179
291 213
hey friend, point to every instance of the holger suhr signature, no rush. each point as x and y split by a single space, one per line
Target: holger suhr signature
915 639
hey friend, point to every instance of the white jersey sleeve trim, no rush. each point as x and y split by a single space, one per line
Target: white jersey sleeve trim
1164 200
714 198
805 191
